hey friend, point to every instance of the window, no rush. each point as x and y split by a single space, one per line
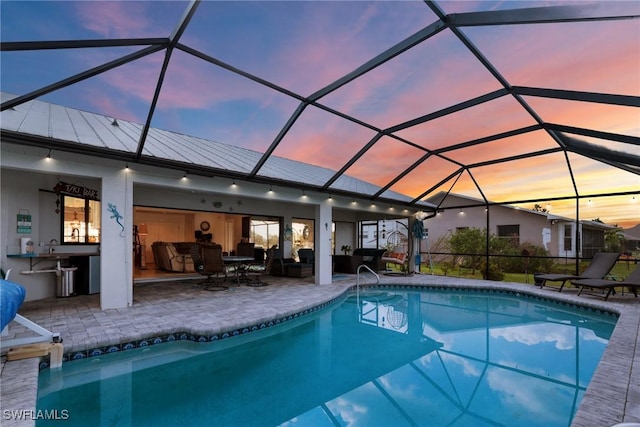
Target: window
510 233
568 238
303 234
593 241
368 234
265 232
80 220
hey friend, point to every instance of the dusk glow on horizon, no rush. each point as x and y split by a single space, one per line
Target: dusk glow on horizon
302 47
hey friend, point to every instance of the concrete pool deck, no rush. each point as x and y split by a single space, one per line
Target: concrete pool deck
160 308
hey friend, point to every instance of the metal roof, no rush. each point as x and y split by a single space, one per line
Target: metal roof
73 127
397 101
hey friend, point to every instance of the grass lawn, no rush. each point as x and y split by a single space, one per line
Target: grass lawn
619 272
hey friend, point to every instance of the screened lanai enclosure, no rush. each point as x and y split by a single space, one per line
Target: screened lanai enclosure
441 105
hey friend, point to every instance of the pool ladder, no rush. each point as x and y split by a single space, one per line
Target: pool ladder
358 280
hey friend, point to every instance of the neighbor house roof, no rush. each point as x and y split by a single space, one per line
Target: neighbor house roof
459 200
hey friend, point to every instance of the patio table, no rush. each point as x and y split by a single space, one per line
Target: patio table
237 260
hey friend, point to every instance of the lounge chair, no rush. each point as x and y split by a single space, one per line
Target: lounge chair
599 267
632 282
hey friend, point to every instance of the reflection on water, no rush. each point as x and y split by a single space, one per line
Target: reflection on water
385 358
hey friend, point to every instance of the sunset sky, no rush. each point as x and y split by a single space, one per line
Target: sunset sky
302 47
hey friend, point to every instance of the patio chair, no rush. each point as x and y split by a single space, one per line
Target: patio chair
207 260
307 256
245 249
280 264
255 272
601 264
632 282
398 258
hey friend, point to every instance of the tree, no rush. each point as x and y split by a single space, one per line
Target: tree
613 240
539 208
468 244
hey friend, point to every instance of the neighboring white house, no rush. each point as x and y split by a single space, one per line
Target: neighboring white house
555 233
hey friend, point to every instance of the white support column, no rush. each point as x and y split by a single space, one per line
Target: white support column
414 245
116 246
324 218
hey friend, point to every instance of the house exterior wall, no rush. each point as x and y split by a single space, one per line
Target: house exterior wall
24 171
538 228
534 227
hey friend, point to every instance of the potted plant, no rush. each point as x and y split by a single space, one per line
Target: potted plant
346 249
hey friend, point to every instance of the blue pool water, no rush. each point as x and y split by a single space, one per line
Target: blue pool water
385 358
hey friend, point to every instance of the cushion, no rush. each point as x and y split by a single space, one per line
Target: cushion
11 298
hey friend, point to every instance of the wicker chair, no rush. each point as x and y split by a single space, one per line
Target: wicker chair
245 249
207 260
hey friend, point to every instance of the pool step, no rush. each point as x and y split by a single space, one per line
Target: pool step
55 350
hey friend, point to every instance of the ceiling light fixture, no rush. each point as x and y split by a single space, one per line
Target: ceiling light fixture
49 154
184 176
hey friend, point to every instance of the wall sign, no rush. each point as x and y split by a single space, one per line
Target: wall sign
24 221
76 190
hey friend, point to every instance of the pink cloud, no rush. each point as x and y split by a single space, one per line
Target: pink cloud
113 19
434 75
567 56
116 107
322 48
136 79
323 139
374 166
426 175
500 115
603 117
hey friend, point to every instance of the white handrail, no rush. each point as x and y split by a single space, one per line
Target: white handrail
358 280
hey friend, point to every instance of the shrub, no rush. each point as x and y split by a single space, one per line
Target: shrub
494 272
519 264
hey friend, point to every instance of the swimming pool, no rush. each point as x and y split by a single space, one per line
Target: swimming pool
389 357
